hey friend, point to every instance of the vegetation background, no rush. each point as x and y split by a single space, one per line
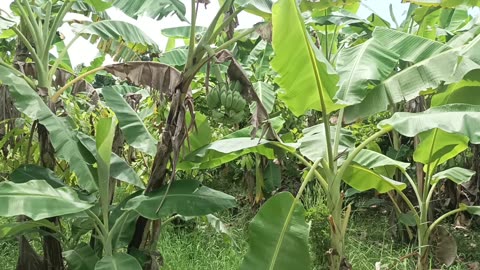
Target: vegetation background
249 134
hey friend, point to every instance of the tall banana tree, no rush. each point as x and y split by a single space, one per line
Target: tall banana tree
371 76
35 25
35 95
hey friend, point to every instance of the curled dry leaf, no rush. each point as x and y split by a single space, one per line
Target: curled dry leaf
236 73
473 266
152 74
444 246
162 78
265 31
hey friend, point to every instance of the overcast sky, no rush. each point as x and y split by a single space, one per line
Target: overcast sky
83 52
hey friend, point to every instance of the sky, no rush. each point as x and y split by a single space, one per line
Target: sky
83 51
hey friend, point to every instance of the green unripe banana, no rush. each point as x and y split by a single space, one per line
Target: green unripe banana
217 114
229 100
213 99
240 105
234 100
223 98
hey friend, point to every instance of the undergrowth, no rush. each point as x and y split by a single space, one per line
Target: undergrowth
196 246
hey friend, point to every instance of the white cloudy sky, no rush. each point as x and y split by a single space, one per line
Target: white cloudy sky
83 52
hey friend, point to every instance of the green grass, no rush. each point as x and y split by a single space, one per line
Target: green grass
8 249
200 247
369 241
200 250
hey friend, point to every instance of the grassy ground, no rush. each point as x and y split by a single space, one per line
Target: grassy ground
200 250
8 250
200 247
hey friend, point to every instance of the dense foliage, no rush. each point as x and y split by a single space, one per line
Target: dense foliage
296 119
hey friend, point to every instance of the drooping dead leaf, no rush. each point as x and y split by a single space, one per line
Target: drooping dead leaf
152 74
236 73
444 246
265 31
230 28
473 266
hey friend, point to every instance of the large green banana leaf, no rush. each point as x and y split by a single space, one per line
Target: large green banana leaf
340 18
98 5
455 174
447 67
313 144
119 168
82 257
199 136
121 231
409 47
116 30
380 163
372 170
14 229
225 150
133 128
176 57
182 32
466 91
306 77
7 21
262 8
122 221
63 138
474 210
361 65
278 236
233 146
453 118
156 9
454 19
363 179
184 197
28 172
38 200
104 134
437 147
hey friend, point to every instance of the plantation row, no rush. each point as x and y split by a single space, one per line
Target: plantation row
297 119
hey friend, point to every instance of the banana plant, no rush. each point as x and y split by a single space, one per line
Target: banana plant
35 26
449 125
304 72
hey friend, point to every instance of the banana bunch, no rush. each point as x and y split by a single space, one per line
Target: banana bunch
213 98
232 100
227 103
